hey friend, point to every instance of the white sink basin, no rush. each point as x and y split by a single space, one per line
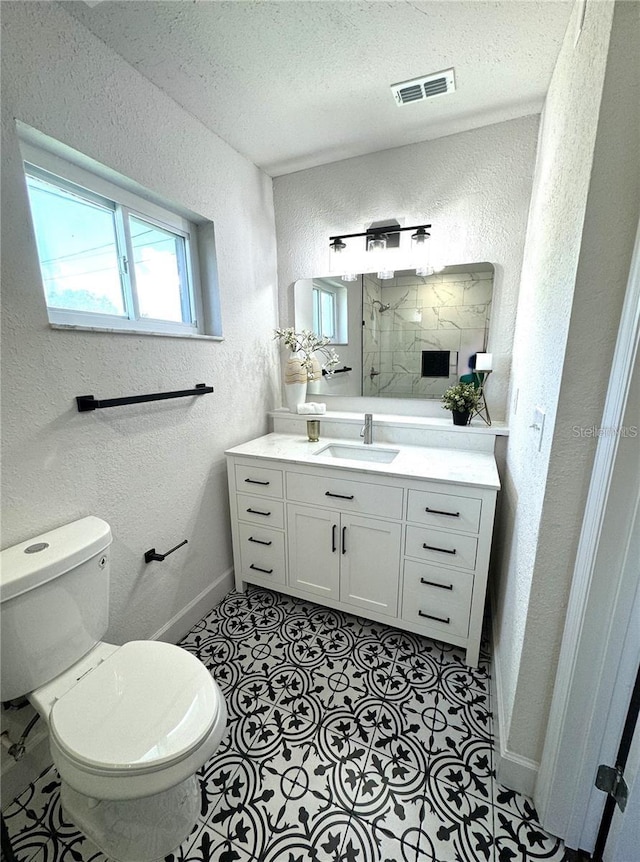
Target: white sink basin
358 453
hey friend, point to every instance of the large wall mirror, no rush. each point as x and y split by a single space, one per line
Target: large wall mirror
406 337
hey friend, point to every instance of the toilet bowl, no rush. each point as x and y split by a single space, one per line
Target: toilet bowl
129 726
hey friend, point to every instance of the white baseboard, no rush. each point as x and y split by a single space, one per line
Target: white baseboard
185 619
512 770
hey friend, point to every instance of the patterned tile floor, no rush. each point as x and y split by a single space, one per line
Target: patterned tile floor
349 741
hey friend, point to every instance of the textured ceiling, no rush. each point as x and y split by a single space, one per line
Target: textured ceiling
295 84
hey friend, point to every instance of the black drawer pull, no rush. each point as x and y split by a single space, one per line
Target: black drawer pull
256 482
258 512
333 538
437 619
442 550
433 584
260 541
344 540
435 511
340 496
258 569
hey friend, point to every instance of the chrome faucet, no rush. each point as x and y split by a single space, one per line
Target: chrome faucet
367 428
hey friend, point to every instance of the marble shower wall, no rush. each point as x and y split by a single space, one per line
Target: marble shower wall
444 311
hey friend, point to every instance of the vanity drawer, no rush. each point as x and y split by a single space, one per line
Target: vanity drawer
262 553
450 511
268 513
437 598
345 494
259 480
451 549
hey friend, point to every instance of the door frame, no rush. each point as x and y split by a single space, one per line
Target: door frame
589 705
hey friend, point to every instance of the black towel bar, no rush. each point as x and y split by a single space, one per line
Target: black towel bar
337 370
89 402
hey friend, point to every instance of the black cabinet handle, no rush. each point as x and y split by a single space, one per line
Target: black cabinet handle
258 512
339 496
446 620
256 482
258 569
260 541
344 540
433 584
333 538
442 550
440 512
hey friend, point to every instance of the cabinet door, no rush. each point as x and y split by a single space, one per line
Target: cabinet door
314 550
370 563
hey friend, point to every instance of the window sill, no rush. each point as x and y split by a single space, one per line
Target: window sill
105 329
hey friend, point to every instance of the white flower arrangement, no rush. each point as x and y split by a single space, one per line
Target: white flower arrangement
304 344
463 397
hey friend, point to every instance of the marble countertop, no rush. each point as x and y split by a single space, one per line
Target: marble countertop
459 466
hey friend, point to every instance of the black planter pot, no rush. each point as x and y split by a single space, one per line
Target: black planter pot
461 417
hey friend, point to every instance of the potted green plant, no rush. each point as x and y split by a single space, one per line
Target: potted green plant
462 399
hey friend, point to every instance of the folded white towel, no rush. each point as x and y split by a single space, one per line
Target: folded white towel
312 407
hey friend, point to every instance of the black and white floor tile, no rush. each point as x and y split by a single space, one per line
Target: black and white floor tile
349 741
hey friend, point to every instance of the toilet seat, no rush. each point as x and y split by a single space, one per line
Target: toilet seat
138 722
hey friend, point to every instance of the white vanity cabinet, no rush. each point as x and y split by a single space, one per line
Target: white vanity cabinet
400 549
344 557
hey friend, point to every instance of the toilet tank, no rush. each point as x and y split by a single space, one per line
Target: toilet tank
54 603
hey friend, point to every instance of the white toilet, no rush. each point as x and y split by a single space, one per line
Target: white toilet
129 725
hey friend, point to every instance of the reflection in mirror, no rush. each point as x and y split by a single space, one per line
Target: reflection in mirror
420 331
406 337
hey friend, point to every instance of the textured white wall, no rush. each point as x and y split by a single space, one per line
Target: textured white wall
473 187
584 214
155 472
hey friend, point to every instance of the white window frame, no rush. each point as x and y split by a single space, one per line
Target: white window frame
321 317
339 293
71 177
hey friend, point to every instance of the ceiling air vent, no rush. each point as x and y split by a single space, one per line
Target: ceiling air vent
419 89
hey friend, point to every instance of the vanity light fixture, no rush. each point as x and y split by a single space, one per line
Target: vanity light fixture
337 246
377 244
380 233
349 276
419 238
378 240
419 250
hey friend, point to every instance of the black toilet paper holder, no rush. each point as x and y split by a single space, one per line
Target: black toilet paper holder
152 555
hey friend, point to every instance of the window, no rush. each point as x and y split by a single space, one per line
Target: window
324 313
329 307
112 259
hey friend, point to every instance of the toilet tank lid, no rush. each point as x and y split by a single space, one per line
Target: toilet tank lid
38 560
